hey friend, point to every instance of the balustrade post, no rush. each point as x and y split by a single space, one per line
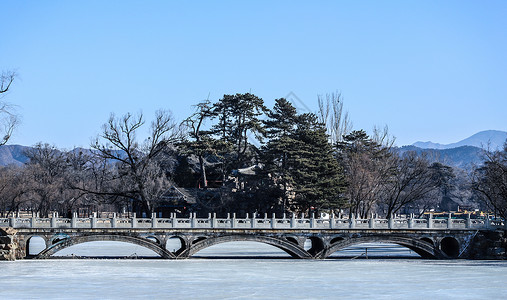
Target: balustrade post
449 221
469 221
352 222
134 220
93 222
233 220
12 222
411 221
293 221
73 221
332 221
254 222
372 222
174 220
488 222
54 217
193 220
114 221
390 222
214 221
430 220
33 221
312 220
154 222
273 221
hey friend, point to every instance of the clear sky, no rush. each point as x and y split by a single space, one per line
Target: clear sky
430 70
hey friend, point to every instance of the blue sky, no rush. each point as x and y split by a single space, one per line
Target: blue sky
429 70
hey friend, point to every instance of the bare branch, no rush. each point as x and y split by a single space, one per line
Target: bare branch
6 79
331 113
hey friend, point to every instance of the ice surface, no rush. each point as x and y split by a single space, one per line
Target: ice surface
250 278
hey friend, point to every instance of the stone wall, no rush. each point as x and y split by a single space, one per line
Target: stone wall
8 245
489 245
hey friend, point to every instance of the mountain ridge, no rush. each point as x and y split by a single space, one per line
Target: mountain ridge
462 154
487 139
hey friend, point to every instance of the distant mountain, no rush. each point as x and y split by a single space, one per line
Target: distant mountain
489 139
464 157
13 155
462 154
16 154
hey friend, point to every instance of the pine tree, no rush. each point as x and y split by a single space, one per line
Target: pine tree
318 176
280 129
300 160
238 120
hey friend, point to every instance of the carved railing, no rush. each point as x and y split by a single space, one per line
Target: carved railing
231 222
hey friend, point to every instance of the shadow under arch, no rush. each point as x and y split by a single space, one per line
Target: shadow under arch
292 249
71 241
423 248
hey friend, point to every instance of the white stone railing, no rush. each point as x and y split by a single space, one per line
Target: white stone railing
231 221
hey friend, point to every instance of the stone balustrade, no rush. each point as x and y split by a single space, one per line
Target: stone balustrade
253 222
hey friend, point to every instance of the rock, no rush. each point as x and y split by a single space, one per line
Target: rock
8 231
490 245
7 245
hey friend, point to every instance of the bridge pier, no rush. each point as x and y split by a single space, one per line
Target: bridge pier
8 246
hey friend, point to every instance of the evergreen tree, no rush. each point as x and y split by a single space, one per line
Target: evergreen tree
238 120
300 160
280 131
317 174
199 141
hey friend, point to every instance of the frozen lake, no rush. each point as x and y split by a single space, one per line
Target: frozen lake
274 277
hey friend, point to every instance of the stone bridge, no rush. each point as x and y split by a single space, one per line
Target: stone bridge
431 238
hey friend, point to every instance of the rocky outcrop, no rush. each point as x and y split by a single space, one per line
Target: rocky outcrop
7 244
489 245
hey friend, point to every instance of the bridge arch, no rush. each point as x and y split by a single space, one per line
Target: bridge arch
177 243
421 247
289 247
35 244
316 245
450 246
71 241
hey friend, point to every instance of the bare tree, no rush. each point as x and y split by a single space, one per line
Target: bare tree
8 119
44 177
137 174
383 137
410 181
490 181
331 113
367 165
12 189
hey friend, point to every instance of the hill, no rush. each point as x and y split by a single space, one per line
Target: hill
13 155
489 139
464 157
